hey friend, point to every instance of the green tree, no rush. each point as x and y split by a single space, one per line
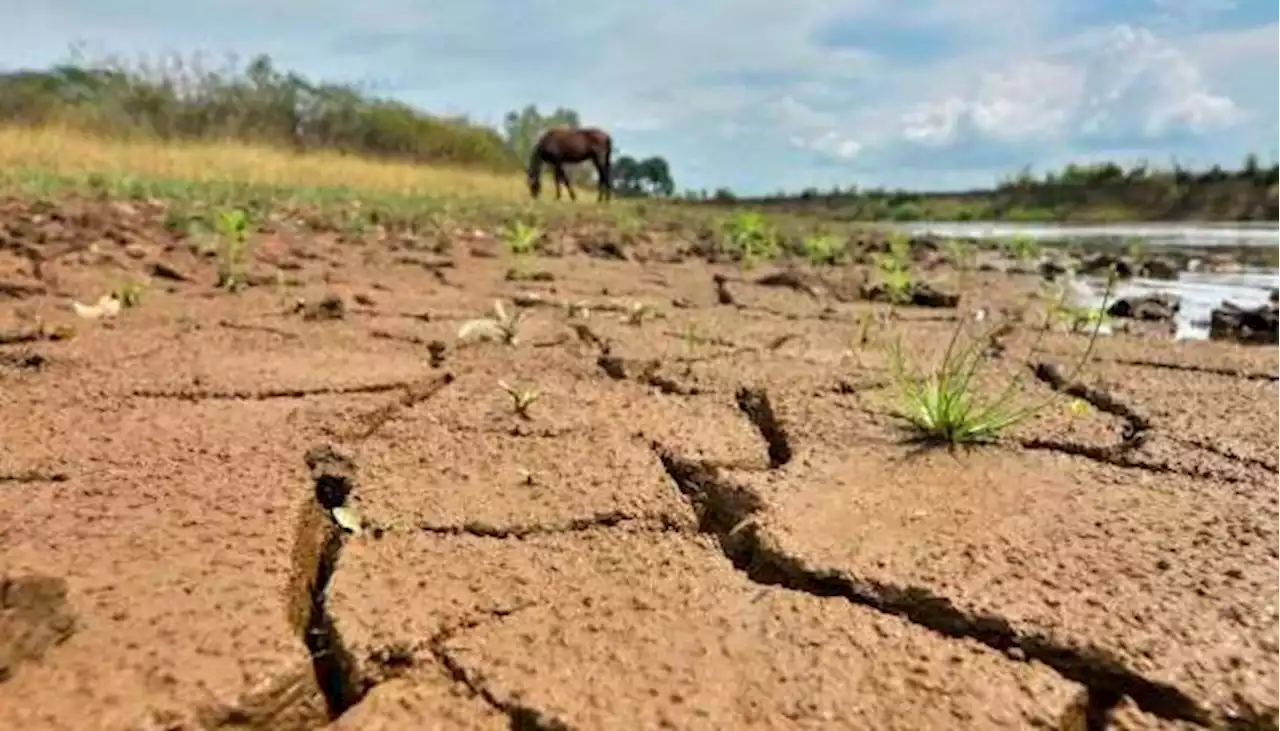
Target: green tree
648 177
1251 167
626 176
724 195
657 174
521 128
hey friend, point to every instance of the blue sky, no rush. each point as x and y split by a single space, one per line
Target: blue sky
762 95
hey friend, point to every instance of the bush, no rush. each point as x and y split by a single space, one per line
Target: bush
180 100
907 211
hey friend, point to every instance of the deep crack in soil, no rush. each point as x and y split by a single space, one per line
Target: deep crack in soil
1136 424
755 404
414 394
33 476
17 337
646 372
1256 462
23 361
248 327
265 394
723 295
318 542
731 513
604 520
1117 455
1192 368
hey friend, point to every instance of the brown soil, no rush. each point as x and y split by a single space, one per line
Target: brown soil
709 520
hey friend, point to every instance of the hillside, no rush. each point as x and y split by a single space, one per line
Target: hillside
176 100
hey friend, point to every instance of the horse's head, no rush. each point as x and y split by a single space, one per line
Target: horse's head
535 184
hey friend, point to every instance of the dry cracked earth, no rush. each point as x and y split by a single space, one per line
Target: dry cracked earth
709 519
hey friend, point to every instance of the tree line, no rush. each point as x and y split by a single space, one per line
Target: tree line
177 98
1095 175
1093 191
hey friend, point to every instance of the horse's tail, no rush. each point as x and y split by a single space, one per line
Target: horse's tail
606 170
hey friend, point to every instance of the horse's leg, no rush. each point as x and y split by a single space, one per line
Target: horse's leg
556 175
604 183
564 175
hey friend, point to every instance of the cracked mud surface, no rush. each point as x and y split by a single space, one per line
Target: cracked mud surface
709 521
661 630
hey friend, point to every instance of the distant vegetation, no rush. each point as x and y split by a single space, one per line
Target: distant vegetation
183 100
180 100
1094 192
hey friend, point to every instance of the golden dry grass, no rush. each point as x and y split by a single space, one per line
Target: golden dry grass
66 152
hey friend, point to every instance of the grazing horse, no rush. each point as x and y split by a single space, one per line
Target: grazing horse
560 145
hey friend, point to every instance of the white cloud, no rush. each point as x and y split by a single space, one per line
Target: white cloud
1242 65
1119 84
830 144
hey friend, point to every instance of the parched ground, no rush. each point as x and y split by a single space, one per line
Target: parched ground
710 520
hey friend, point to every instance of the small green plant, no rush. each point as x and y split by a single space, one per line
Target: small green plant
522 397
129 294
232 227
1074 317
861 336
1133 248
945 407
962 255
1022 247
690 336
502 327
356 223
521 239
898 282
865 324
752 239
895 268
942 406
822 249
1079 318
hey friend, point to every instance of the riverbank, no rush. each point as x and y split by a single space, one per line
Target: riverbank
1210 196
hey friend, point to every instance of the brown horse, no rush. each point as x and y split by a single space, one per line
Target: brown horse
560 145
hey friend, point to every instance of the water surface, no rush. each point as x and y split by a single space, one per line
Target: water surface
1200 291
1152 235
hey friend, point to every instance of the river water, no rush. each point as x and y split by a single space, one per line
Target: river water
1200 292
